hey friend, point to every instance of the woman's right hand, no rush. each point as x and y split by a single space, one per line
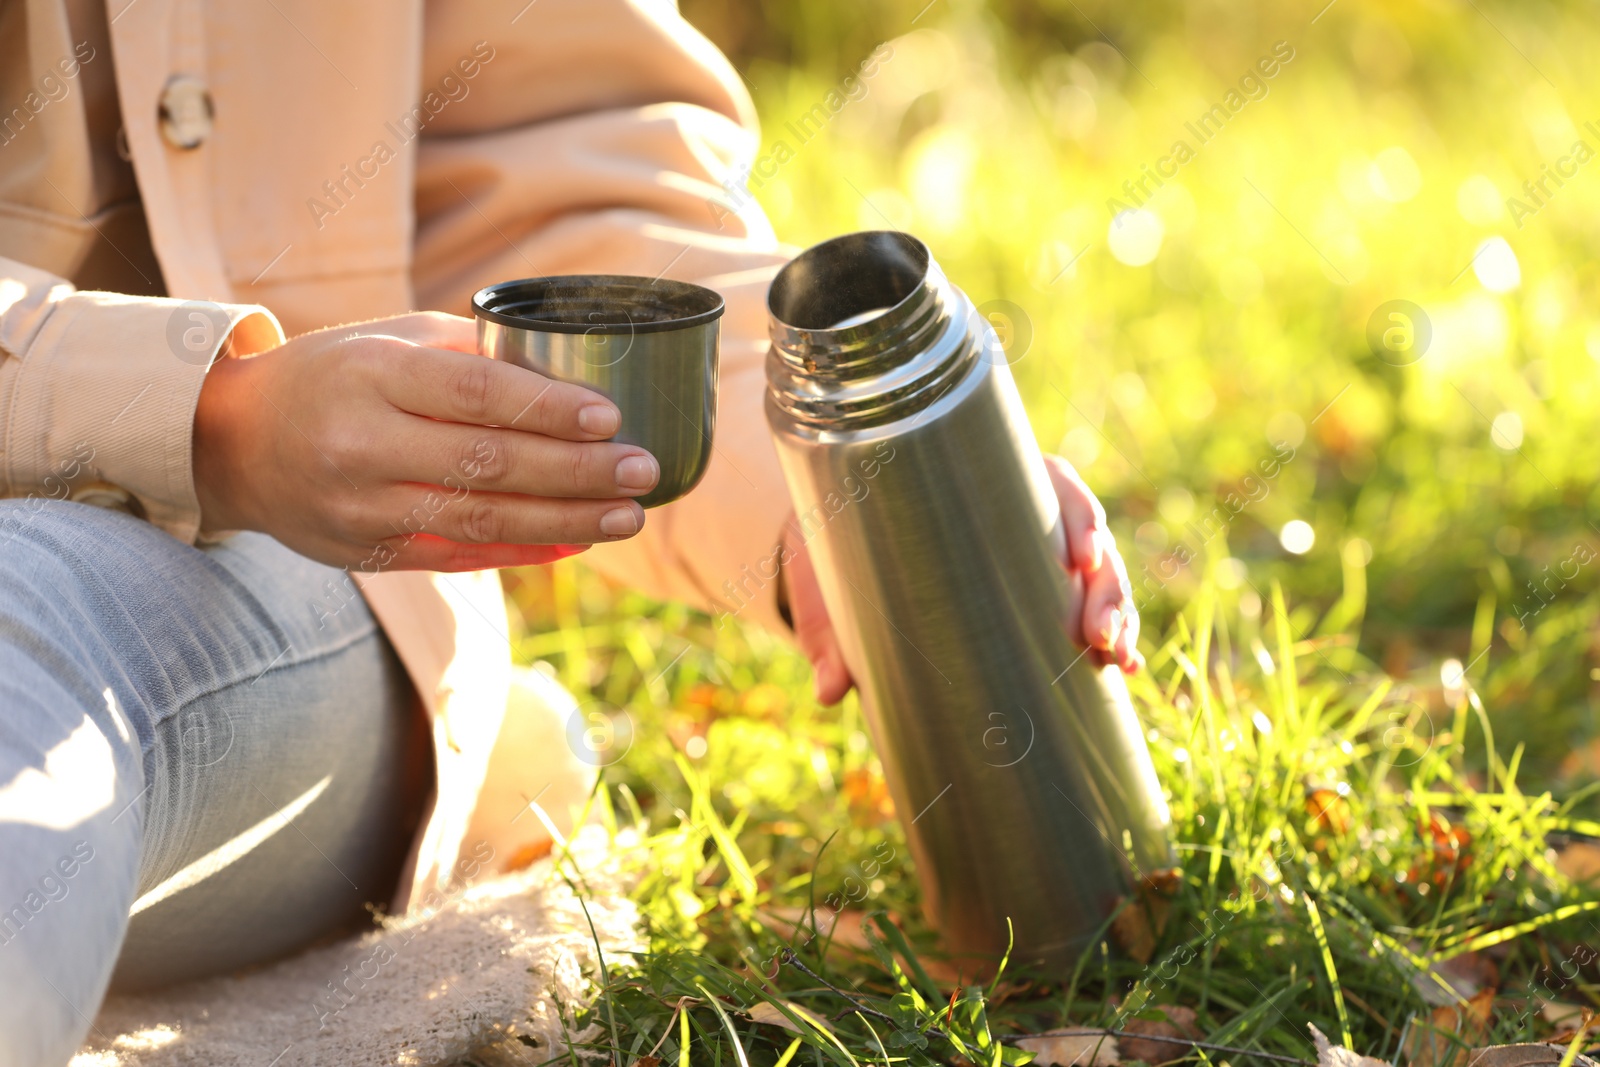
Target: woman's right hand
393 445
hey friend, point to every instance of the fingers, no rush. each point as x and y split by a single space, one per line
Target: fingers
507 461
813 630
1084 518
457 387
1102 609
1124 652
429 553
1110 623
483 519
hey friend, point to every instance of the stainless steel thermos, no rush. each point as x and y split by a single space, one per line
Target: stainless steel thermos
1016 762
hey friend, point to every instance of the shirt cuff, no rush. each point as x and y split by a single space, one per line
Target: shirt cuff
117 378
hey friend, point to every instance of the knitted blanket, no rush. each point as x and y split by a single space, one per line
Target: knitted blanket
494 975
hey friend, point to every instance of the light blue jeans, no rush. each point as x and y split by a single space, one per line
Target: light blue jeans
208 758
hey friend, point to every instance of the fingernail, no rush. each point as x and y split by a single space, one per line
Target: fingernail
619 522
1112 622
599 419
638 472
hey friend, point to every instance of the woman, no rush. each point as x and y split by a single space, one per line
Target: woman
253 667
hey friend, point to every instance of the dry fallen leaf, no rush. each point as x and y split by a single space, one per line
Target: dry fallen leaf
1328 811
846 928
1166 881
1582 762
1179 1023
769 1013
1084 1048
1559 1014
1427 1044
1522 1056
1458 978
1579 861
1331 1055
1131 931
1157 890
868 794
1451 850
1141 923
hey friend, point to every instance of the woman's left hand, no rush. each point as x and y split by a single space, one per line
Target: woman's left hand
1108 625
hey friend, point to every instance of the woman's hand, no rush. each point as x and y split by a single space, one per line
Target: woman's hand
393 444
1108 626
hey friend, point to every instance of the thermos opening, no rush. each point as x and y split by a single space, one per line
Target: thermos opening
847 280
859 330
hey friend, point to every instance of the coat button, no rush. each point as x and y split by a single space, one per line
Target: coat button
185 112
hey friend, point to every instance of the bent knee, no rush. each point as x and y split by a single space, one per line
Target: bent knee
549 750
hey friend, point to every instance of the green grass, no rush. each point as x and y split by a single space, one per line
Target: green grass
1334 846
1425 679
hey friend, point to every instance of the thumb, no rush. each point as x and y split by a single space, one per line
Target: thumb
813 629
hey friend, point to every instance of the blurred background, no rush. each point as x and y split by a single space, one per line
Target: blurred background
1340 278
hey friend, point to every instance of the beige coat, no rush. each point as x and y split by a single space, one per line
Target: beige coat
302 163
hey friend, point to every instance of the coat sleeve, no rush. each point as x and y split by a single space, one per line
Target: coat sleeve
98 391
602 136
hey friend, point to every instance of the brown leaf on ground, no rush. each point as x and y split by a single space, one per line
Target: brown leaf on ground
1156 891
1466 975
1561 1038
1451 852
1470 972
868 795
846 927
1579 861
1166 881
1331 1055
1081 1048
1131 930
1140 924
1522 1056
1561 1015
766 1012
1328 810
1478 1011
1178 1028
1438 1041
1582 762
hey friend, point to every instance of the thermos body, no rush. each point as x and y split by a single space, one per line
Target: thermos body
1015 760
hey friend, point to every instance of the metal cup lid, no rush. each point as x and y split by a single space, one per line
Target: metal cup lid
598 303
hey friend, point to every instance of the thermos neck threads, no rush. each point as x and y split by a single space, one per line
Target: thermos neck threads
865 329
